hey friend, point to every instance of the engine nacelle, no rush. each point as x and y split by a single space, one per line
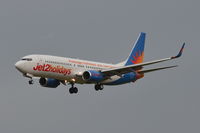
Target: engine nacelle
49 82
92 76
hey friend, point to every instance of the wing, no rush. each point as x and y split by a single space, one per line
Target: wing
155 69
126 69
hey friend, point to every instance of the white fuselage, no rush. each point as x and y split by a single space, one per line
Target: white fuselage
61 68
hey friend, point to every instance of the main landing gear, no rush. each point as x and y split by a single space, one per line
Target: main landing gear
98 87
73 89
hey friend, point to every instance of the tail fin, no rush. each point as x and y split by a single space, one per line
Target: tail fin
137 54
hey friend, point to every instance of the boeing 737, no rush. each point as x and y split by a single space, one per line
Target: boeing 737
54 70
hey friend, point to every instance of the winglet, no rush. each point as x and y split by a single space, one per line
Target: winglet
180 52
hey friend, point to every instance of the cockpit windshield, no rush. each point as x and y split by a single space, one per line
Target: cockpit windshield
27 59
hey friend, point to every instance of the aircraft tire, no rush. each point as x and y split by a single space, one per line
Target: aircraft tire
100 87
96 87
30 82
73 90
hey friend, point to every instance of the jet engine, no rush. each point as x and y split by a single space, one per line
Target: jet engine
49 82
92 76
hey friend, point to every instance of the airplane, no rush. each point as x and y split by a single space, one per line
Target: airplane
54 70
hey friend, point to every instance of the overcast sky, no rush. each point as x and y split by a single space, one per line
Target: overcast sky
101 30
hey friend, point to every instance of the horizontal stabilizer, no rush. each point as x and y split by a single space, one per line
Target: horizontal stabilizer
156 69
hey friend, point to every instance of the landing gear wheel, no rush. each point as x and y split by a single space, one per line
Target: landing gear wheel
101 87
73 90
30 82
98 87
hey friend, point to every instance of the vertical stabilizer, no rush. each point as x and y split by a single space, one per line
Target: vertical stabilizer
137 53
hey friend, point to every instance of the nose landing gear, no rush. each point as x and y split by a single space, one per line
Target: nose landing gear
30 77
30 82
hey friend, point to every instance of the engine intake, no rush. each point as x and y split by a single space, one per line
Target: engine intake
93 76
49 82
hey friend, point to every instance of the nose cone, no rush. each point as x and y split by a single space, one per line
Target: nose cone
19 66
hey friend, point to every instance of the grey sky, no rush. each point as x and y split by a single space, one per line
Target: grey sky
101 30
